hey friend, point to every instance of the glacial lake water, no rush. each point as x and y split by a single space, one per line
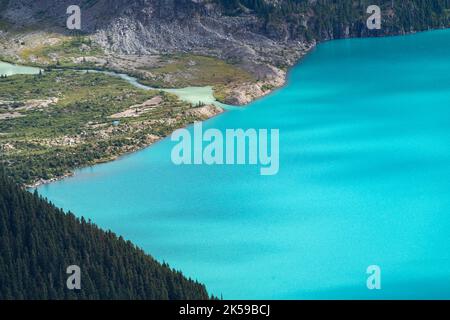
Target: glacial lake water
364 180
11 69
192 95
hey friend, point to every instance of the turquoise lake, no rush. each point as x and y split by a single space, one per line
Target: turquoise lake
364 180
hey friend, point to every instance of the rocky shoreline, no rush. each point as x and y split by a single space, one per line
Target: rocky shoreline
42 182
241 95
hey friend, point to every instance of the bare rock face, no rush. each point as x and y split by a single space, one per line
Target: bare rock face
142 27
246 93
206 112
197 27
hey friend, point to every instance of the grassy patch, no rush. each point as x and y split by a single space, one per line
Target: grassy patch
191 70
62 53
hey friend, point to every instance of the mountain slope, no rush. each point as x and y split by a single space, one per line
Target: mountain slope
261 37
38 242
228 28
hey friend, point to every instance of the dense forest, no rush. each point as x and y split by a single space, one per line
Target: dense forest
38 242
332 19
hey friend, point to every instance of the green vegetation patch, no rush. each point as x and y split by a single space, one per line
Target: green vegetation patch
60 120
180 71
68 52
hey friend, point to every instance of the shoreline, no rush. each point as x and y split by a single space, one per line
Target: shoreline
42 182
220 110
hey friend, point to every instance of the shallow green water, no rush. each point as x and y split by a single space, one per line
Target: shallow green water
364 179
11 69
192 95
